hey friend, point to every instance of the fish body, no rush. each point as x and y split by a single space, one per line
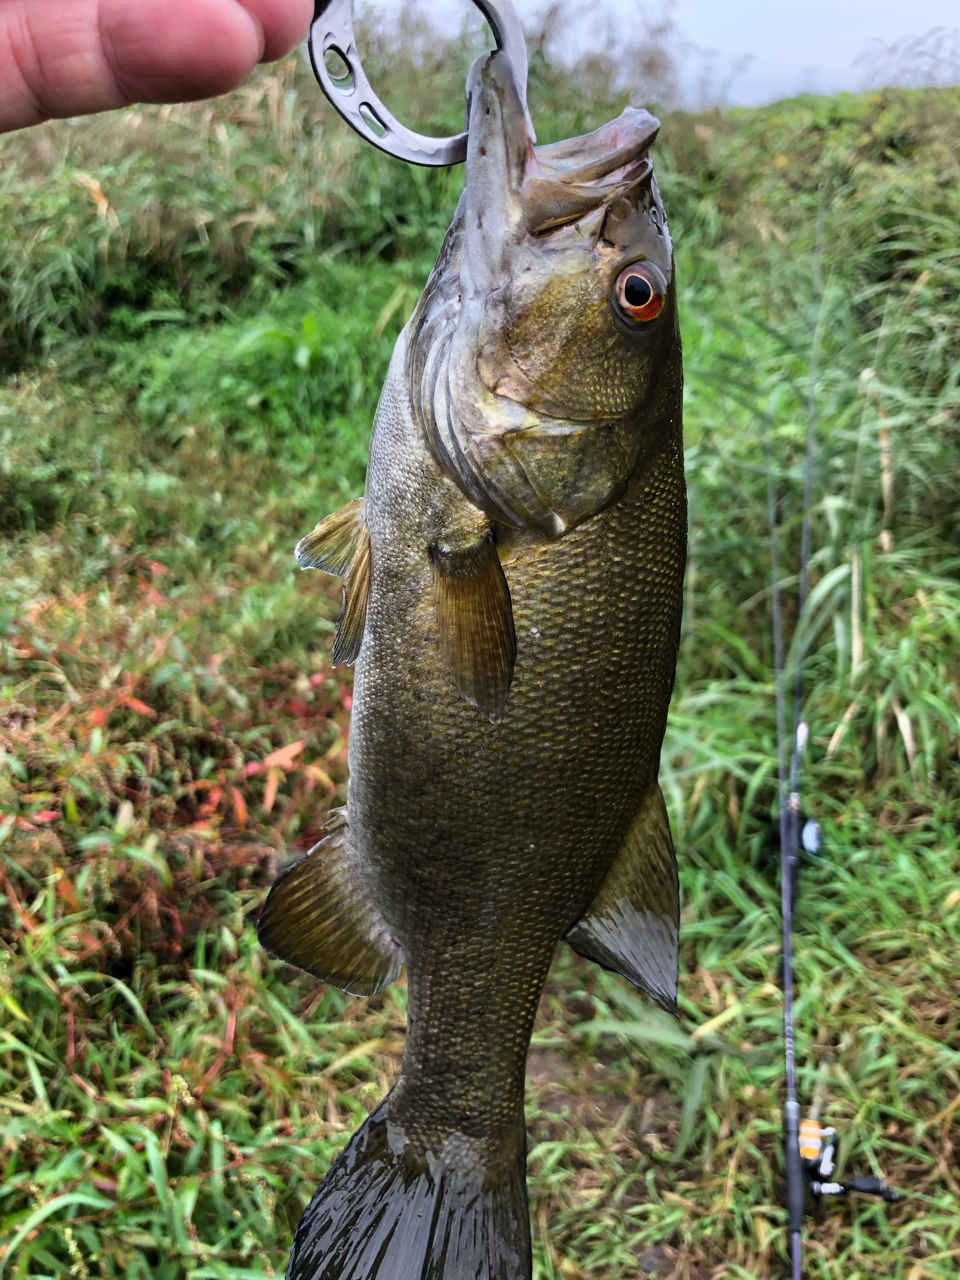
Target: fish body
512 598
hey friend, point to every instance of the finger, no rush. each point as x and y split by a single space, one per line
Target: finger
71 57
283 23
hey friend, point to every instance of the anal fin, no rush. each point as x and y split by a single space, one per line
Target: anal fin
317 918
633 924
475 620
340 545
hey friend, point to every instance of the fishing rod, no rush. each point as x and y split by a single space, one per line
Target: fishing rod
810 1149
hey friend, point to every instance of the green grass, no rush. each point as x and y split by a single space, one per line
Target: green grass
192 361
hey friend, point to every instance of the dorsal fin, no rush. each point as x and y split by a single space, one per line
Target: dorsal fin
317 917
340 544
348 636
633 924
333 543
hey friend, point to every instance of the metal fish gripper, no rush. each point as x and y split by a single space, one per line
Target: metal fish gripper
351 93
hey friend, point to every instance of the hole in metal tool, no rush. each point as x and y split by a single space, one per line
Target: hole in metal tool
338 69
372 120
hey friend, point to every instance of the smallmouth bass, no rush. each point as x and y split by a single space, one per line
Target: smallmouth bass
512 599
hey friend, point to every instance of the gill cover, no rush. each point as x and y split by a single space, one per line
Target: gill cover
532 390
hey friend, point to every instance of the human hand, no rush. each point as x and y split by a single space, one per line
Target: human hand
70 57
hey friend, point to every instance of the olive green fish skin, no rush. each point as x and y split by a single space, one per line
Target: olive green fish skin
484 843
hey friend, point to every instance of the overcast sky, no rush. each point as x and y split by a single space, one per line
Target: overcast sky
757 50
813 45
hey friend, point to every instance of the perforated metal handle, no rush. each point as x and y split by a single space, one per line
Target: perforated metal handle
332 32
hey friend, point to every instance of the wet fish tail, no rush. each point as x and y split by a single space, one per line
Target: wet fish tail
390 1210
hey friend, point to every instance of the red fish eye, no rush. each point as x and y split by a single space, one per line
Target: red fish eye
641 292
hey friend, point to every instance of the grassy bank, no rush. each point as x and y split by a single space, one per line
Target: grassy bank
197 306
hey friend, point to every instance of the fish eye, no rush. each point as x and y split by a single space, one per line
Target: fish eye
641 292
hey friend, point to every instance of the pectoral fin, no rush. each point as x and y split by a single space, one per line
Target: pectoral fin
633 923
475 619
341 545
317 918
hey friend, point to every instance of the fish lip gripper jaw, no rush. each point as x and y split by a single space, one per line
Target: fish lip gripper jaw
353 97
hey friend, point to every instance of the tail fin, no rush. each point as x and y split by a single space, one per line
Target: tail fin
388 1212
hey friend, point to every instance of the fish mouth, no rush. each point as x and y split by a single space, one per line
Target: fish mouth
516 185
581 175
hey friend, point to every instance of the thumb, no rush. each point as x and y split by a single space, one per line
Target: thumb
70 57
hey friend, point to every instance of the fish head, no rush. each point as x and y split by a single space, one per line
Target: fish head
559 316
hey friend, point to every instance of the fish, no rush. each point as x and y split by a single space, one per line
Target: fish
512 600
